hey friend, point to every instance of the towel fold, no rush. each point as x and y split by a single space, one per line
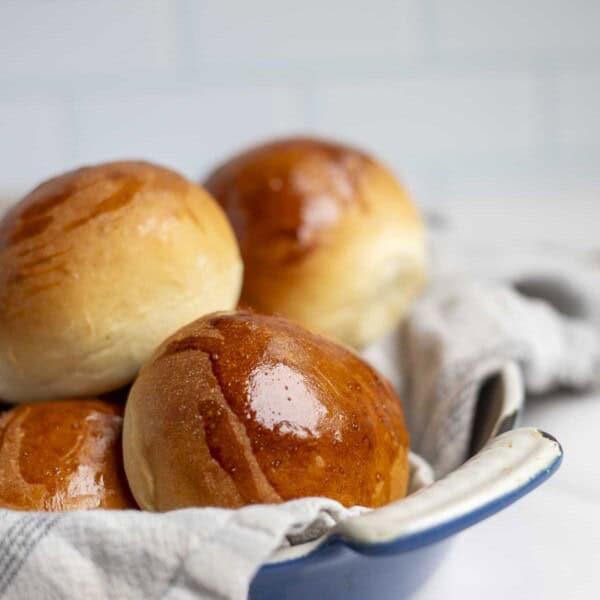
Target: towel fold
459 337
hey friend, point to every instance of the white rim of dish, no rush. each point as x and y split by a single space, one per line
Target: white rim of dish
506 465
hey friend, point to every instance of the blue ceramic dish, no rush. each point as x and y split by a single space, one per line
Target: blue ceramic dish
389 552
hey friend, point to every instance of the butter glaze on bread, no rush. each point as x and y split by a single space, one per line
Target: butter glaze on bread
97 267
328 236
241 408
63 455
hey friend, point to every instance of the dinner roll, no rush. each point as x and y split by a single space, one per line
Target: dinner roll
328 236
63 455
97 267
240 408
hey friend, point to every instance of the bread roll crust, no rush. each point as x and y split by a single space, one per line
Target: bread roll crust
99 265
240 408
63 455
328 236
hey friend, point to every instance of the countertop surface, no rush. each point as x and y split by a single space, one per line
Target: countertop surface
548 544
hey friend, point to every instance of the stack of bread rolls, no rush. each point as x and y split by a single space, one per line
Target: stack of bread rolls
135 379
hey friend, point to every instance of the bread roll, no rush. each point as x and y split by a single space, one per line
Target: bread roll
62 455
328 236
240 408
97 267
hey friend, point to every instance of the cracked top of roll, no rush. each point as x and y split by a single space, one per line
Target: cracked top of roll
240 408
328 235
99 265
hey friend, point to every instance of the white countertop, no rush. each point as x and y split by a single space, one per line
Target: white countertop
548 544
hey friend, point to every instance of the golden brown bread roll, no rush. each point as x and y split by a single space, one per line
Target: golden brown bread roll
327 234
63 455
240 408
97 267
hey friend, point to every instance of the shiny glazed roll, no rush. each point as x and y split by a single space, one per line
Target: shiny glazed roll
328 236
240 408
97 267
63 455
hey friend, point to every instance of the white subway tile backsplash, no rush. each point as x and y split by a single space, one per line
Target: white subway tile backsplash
79 37
513 27
304 34
33 145
579 110
449 93
432 119
189 131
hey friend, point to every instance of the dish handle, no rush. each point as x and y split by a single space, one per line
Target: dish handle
508 467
